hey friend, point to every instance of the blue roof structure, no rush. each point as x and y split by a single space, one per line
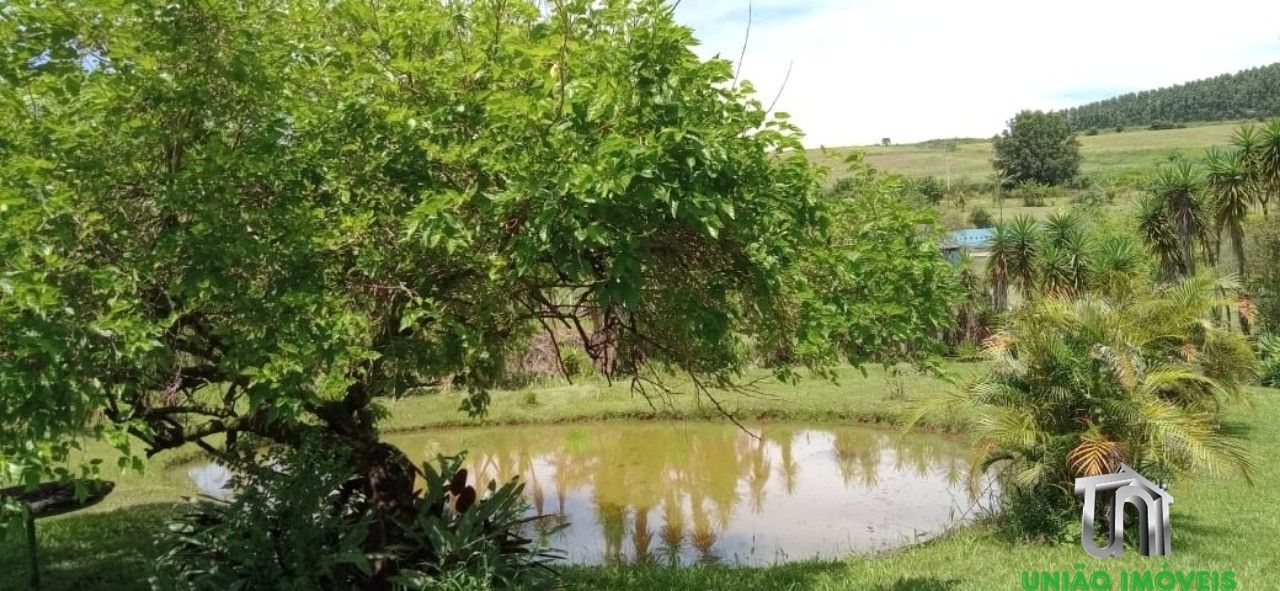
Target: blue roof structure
972 238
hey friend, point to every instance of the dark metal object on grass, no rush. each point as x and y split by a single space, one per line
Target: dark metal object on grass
48 500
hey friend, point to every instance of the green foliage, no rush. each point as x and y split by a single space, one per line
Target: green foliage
1090 198
265 219
576 362
1269 360
531 398
1177 197
875 234
1079 385
1266 163
296 522
464 540
928 188
1036 194
1038 147
1043 513
1232 191
1262 278
1227 97
967 351
287 527
981 218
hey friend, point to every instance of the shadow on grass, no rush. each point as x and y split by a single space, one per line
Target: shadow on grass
1238 429
1192 533
88 551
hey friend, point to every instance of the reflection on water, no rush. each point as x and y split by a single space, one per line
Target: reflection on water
696 492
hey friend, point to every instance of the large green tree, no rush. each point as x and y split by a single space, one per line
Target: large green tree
1038 147
222 220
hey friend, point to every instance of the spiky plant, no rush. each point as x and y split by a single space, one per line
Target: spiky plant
1178 186
1054 270
998 267
1114 260
1061 226
1159 234
1079 385
1024 240
1267 163
1233 193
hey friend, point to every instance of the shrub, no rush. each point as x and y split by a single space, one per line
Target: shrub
284 529
1119 129
967 351
462 541
981 218
845 185
1038 513
928 188
1038 147
1035 194
294 523
1089 198
1269 360
1091 131
576 361
1263 275
1077 386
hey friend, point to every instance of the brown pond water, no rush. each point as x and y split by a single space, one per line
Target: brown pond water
683 493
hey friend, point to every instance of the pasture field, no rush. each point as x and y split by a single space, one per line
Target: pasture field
1106 155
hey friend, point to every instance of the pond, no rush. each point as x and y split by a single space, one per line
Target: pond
684 493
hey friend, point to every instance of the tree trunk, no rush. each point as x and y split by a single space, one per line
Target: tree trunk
1000 293
1188 252
387 481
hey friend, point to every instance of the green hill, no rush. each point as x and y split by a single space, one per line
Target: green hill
1246 94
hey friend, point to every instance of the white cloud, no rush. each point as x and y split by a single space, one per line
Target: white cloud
920 69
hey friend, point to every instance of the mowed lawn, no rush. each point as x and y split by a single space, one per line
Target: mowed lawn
1218 523
1107 154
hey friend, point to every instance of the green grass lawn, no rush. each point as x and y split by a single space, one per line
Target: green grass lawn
1107 154
1218 524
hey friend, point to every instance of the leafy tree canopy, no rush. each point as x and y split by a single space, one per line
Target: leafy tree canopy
1038 147
222 219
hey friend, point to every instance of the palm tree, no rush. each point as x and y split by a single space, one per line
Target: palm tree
1077 250
1233 193
1054 270
1159 234
1061 227
1116 254
1079 385
1178 186
998 267
969 309
1024 239
1267 163
1248 142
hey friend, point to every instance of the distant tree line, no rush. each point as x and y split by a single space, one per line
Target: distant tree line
1245 94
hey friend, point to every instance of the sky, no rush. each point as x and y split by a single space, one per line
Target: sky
912 70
